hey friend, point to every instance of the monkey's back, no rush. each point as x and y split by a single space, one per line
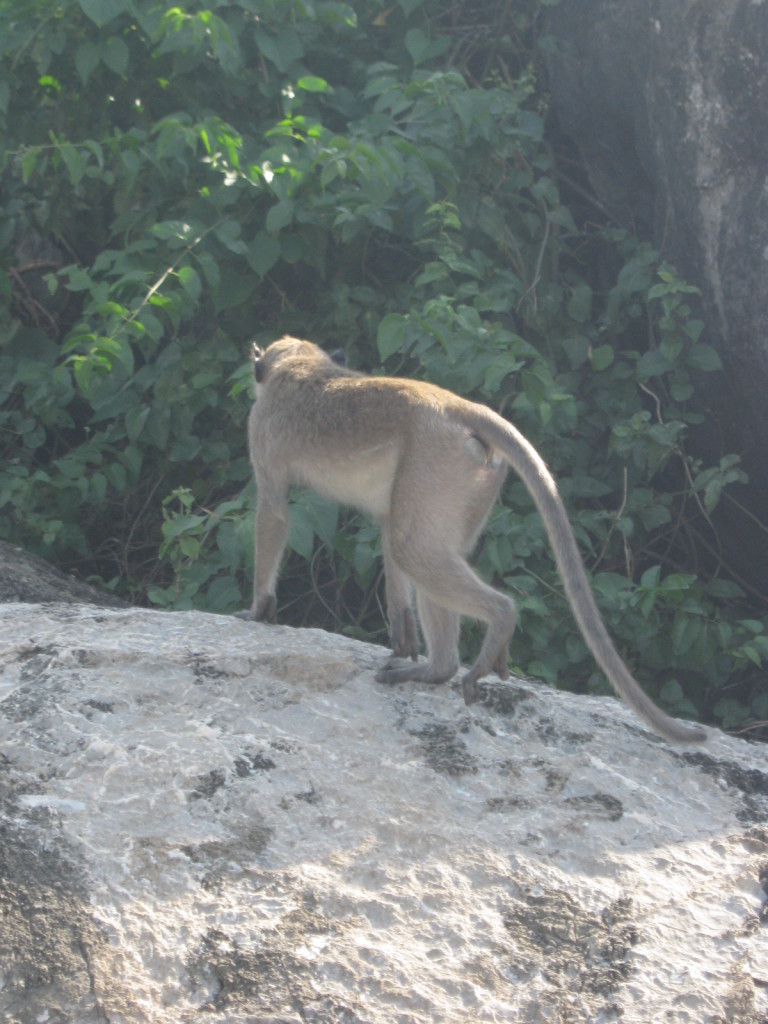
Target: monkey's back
341 433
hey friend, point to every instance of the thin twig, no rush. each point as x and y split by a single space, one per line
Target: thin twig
614 522
537 273
656 399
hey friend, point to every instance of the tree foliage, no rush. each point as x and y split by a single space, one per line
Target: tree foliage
177 180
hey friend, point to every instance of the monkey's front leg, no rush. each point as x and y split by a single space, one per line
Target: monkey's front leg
402 635
270 535
402 624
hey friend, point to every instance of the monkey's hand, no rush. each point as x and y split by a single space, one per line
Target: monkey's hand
263 610
403 637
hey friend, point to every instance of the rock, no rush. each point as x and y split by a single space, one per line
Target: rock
666 102
212 820
28 578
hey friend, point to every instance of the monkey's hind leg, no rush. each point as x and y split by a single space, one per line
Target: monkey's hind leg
440 627
453 588
468 595
494 654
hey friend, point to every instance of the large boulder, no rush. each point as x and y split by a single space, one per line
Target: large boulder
666 102
210 820
30 579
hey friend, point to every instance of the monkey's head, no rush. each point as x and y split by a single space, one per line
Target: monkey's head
265 360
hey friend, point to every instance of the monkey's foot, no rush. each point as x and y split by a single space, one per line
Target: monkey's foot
247 615
501 665
479 670
470 689
264 611
398 671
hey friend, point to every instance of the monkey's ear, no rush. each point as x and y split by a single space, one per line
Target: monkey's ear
339 356
258 366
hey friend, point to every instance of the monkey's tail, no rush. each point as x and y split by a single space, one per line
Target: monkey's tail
531 468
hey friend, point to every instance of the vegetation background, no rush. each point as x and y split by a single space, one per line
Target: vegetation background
176 181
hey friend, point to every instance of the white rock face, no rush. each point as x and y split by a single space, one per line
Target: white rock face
210 820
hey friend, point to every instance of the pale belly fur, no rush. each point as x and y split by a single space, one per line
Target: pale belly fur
363 481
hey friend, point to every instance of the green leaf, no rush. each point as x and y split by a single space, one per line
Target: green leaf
210 268
263 253
173 230
686 630
310 517
185 450
535 385
95 148
282 49
311 83
416 43
50 84
650 578
724 590
681 391
712 493
115 55
117 476
562 217
151 324
652 364
601 357
101 12
391 335
531 124
87 57
730 712
704 357
228 233
75 162
693 329
28 164
190 282
132 460
235 289
158 427
753 625
432 272
655 516
671 693
498 369
421 48
580 303
578 349
677 581
280 215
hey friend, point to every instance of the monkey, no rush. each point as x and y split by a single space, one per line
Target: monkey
427 466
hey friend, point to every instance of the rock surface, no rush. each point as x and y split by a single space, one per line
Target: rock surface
31 580
217 821
665 100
